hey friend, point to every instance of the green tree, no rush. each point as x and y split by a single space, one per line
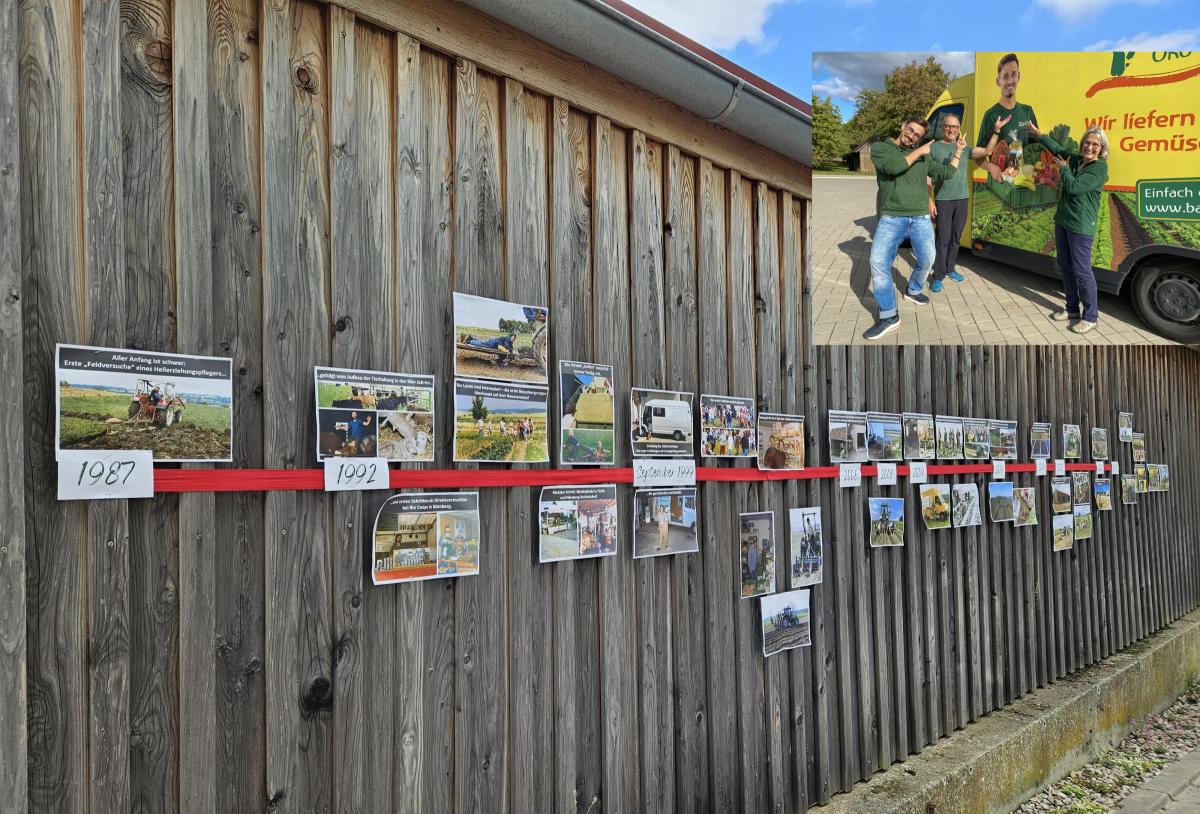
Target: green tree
478 410
829 134
908 90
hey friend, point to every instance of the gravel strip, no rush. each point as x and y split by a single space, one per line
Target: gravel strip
1159 741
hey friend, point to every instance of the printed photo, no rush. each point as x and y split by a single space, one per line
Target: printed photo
426 535
1072 441
179 407
757 537
1083 521
373 413
586 430
935 505
1129 490
727 427
885 438
920 439
664 522
1000 501
976 439
1060 495
964 505
1064 531
1002 437
1081 488
577 522
887 521
661 424
847 437
780 441
494 339
1125 427
1143 478
1025 503
1157 475
1139 447
1099 444
1039 440
949 438
499 422
808 550
1103 489
785 621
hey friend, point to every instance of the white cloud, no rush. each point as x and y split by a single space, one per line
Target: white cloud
845 73
1075 9
718 24
1187 39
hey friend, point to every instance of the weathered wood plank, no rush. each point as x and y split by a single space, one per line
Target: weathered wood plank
14 698
611 281
688 620
531 728
296 327
197 752
481 759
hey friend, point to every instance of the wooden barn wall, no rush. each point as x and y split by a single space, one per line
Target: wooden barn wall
292 185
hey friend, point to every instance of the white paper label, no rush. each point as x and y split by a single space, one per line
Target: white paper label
918 472
850 475
652 472
1060 466
1099 467
997 470
1039 466
1116 469
885 474
87 475
356 474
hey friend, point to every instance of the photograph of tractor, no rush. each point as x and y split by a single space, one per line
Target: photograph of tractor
156 404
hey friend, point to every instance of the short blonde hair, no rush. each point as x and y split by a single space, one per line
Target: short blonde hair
1099 134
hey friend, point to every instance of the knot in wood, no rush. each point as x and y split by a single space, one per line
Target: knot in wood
306 77
158 59
342 324
317 697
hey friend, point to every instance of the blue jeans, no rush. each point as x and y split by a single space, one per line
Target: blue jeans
1075 265
888 234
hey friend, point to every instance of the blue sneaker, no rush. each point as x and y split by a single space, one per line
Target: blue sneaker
918 298
881 327
956 277
936 286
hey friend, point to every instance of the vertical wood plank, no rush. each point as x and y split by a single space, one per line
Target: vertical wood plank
198 550
481 759
296 296
618 621
14 698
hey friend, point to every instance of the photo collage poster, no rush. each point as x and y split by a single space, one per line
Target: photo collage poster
728 428
665 521
426 535
577 522
373 414
780 441
661 423
587 409
847 437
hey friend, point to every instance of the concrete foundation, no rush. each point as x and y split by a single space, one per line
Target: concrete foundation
1008 756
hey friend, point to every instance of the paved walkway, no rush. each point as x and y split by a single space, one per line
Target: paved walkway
996 304
1176 790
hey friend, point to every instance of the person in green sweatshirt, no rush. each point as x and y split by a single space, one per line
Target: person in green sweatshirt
949 205
1082 176
901 170
1008 119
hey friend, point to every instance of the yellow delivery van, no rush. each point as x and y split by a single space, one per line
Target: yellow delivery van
1148 229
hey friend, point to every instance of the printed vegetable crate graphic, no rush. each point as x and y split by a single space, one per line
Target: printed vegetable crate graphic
1019 197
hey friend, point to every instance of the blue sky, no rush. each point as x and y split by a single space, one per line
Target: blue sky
776 38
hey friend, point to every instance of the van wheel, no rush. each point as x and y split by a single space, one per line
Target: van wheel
678 436
1166 294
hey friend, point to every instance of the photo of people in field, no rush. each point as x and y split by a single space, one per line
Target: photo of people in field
727 427
949 438
586 414
1083 521
426 535
886 518
964 505
179 407
499 422
494 339
785 621
1064 531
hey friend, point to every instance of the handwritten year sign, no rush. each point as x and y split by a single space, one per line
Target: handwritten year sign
652 472
885 474
918 472
850 475
355 474
1039 466
86 475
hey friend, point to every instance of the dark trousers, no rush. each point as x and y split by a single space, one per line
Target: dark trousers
951 217
1075 265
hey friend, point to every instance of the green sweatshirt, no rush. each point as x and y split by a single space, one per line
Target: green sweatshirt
902 189
1079 188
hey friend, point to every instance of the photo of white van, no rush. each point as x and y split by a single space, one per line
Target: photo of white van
662 423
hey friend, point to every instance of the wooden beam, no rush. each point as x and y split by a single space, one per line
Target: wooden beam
497 47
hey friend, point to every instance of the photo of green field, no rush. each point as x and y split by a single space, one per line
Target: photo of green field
587 446
106 418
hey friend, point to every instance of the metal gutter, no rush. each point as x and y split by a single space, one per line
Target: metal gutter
618 38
